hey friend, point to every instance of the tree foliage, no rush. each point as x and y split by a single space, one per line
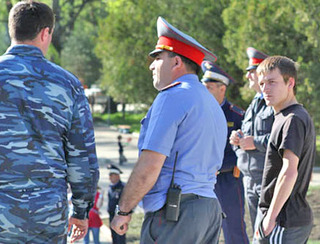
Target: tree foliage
125 38
128 34
123 32
78 54
289 28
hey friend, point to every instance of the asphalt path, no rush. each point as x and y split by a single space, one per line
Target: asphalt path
107 152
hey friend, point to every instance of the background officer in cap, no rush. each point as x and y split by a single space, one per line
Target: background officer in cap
229 186
183 119
46 138
251 141
114 193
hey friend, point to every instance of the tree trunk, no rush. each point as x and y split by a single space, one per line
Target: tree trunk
123 111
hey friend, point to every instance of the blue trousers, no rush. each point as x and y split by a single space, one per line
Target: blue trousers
116 238
252 191
230 193
95 233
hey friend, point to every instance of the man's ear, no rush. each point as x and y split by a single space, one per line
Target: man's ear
291 82
44 34
177 62
224 88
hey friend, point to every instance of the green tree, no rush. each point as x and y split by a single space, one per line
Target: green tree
78 57
5 6
78 54
128 34
275 28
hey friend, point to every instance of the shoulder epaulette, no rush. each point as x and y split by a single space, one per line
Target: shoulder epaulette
236 109
171 85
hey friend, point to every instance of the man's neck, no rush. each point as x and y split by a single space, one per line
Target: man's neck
285 104
29 42
180 73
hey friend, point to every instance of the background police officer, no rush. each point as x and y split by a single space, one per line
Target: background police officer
229 186
254 135
114 193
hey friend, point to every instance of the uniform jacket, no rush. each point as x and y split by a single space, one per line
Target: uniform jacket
251 162
114 194
234 116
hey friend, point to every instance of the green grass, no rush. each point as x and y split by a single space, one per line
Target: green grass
116 119
133 235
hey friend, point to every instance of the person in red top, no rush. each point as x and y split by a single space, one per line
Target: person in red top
95 221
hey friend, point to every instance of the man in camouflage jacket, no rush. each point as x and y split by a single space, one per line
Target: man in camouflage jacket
46 137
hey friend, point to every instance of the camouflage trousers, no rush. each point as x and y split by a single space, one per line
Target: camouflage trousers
33 216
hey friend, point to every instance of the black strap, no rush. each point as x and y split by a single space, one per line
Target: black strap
174 169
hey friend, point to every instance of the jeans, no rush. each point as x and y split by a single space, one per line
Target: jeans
95 233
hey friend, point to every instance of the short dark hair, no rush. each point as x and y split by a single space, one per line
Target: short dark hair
192 66
287 67
28 18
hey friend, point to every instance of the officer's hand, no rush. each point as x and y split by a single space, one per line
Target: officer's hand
120 224
234 138
79 230
247 143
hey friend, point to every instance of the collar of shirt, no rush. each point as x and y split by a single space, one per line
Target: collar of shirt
113 186
187 78
223 102
25 50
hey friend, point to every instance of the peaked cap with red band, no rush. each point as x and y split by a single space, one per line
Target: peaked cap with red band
174 40
213 73
255 57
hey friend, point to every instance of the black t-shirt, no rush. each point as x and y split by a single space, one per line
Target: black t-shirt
293 129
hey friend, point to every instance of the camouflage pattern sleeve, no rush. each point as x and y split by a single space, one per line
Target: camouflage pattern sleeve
82 170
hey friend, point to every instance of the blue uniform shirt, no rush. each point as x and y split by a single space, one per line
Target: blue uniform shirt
184 118
234 116
46 129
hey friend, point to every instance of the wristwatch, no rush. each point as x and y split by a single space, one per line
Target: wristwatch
121 213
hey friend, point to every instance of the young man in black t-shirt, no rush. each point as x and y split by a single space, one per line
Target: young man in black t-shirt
286 217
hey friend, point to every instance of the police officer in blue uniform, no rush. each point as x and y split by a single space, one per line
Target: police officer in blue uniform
250 143
179 125
114 193
229 186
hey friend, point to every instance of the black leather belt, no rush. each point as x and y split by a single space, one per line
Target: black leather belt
190 196
184 198
225 171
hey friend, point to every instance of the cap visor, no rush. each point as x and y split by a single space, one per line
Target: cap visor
205 80
251 67
155 52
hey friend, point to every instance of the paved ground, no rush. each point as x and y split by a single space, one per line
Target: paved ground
107 151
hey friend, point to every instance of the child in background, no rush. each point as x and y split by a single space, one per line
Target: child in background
95 221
